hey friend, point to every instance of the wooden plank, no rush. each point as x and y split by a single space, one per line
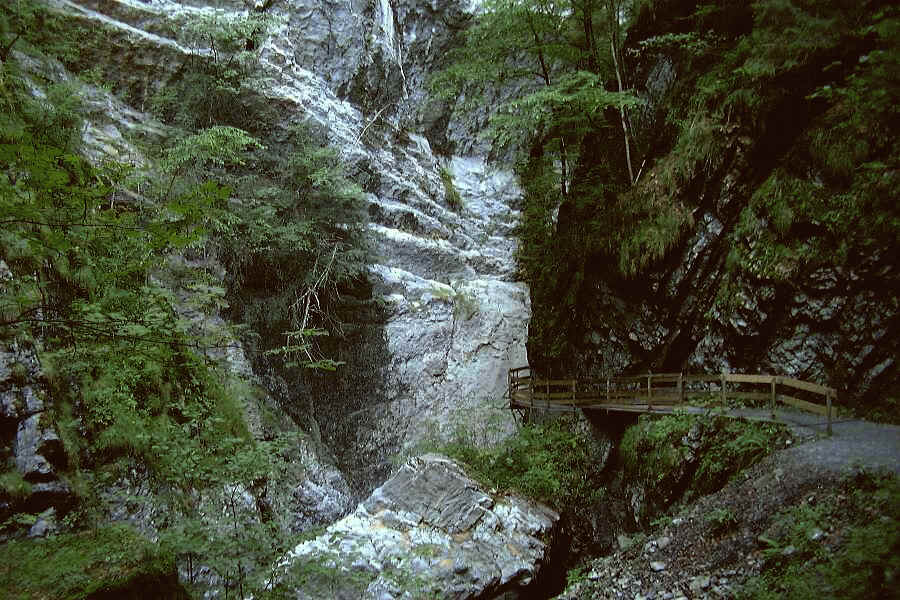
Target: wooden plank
666 400
629 379
748 395
804 405
738 378
807 387
545 382
553 395
666 377
702 378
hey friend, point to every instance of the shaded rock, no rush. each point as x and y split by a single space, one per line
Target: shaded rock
429 529
27 437
45 524
46 494
32 465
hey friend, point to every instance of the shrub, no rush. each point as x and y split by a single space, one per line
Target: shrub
553 463
451 194
14 486
657 448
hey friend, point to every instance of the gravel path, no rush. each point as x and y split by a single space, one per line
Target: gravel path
854 444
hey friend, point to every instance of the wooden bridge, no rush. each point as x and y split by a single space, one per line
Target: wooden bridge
667 392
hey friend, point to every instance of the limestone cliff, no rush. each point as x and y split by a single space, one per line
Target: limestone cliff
454 318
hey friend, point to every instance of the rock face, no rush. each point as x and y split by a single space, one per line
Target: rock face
30 445
429 529
823 321
455 319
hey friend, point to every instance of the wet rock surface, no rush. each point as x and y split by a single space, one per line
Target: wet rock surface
429 529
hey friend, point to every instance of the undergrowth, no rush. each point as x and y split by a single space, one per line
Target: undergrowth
90 564
845 544
694 453
554 463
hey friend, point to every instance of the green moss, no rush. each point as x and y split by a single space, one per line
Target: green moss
553 463
320 578
656 450
107 563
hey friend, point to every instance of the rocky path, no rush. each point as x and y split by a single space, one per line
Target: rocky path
692 556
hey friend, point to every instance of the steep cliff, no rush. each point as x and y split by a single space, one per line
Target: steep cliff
755 230
452 317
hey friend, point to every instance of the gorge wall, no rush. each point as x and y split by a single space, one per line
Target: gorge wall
753 237
453 318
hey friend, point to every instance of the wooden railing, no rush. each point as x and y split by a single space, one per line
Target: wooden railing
646 393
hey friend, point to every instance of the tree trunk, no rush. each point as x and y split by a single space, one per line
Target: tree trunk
613 16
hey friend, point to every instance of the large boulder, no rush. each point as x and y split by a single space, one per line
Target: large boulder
428 531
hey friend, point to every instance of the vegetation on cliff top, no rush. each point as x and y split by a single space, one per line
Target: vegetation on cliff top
635 121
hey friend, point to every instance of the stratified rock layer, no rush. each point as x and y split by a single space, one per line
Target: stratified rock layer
429 531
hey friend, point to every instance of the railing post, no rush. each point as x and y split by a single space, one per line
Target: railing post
724 401
574 383
608 396
531 397
650 391
772 399
681 388
828 403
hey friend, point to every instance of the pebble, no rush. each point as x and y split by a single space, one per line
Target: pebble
658 565
699 583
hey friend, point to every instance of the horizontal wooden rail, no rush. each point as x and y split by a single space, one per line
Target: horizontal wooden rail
643 392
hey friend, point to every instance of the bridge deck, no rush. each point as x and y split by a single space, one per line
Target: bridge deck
669 392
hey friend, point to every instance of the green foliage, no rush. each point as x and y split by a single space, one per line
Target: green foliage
99 280
110 561
293 245
807 558
12 485
652 450
320 577
222 71
576 576
551 463
657 450
451 194
721 519
219 146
